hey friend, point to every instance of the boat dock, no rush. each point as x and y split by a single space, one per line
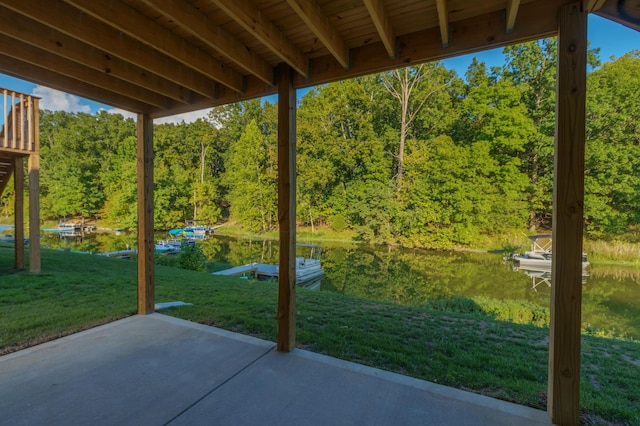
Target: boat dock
251 268
122 254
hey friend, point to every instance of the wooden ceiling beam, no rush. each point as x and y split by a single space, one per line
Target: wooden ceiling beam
30 54
309 11
253 21
383 25
443 20
198 24
48 78
471 35
593 5
145 30
512 12
45 38
625 13
76 24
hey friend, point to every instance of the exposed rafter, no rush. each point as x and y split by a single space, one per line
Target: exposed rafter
253 21
472 35
145 30
317 21
70 48
593 5
626 13
443 20
75 24
27 53
383 25
198 24
49 78
138 53
512 12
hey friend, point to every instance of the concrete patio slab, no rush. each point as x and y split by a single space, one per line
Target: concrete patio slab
140 370
155 369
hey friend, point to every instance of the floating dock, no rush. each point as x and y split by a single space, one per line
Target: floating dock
122 254
251 268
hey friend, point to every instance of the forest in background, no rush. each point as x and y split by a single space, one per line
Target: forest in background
417 156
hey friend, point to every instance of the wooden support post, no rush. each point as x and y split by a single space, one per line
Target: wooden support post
34 213
146 246
34 192
18 224
563 402
286 209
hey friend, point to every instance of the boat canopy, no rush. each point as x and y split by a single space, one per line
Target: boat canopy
544 246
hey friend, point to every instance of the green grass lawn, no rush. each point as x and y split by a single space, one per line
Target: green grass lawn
467 351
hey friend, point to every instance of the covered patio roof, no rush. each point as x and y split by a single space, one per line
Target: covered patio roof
163 57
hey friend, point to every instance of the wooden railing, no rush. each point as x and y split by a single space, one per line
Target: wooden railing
20 114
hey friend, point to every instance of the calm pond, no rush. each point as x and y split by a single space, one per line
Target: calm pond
611 293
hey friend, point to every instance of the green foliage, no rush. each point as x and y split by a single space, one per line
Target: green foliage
76 151
251 179
476 156
515 311
192 258
612 168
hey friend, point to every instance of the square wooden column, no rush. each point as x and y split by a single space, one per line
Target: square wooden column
563 402
286 209
34 187
146 245
34 213
18 203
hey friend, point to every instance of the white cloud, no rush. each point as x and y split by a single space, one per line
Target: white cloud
124 113
55 100
187 117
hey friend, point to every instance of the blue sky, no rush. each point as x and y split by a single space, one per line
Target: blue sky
614 40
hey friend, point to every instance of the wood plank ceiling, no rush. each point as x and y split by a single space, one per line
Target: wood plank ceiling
164 57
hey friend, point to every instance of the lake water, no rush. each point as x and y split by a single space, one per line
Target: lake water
611 294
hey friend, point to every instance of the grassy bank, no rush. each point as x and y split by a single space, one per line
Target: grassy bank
303 233
618 252
466 350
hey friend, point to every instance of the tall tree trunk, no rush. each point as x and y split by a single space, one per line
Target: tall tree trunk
195 205
404 129
203 157
402 84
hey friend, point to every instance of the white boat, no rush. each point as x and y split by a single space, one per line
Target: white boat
66 229
172 246
539 257
71 229
308 269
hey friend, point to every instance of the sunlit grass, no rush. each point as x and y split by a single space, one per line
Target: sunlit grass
613 251
465 350
303 233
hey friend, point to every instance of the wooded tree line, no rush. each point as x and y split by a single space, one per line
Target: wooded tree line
419 156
